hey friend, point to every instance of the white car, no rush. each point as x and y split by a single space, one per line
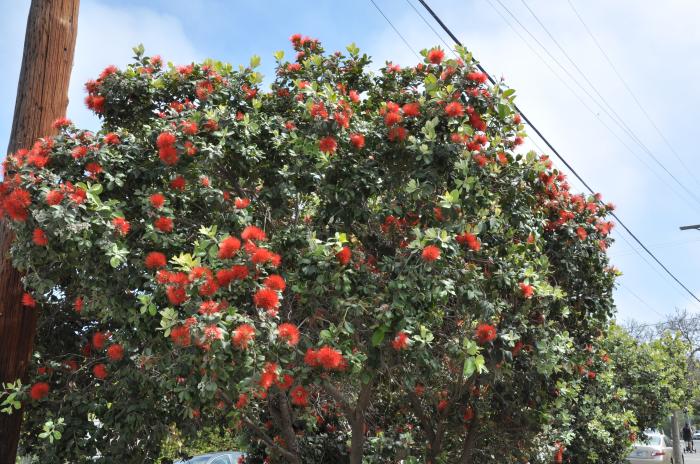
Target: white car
230 457
656 448
696 435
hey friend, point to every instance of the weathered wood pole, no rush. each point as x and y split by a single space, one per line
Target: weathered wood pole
42 97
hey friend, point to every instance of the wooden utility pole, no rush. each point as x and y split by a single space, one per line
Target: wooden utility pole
42 97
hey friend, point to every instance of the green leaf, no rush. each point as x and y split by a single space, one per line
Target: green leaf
378 336
279 54
254 61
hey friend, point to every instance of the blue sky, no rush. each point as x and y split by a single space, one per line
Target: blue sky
652 45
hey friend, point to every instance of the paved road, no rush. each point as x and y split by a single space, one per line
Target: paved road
693 458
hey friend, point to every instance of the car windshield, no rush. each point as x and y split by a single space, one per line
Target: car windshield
652 440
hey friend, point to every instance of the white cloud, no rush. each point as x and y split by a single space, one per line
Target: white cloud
106 35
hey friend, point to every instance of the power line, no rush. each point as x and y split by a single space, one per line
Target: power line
630 92
558 155
396 30
605 107
584 103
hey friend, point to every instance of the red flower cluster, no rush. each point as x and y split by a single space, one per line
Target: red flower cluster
289 332
253 233
167 151
115 352
163 224
299 396
430 253
121 225
267 299
39 391
243 335
485 333
435 56
100 371
526 290
155 260
39 238
327 357
344 256
229 247
470 240
327 144
400 341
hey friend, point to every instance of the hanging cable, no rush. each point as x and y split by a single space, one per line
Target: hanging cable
559 156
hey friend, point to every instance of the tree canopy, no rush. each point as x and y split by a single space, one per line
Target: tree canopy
352 266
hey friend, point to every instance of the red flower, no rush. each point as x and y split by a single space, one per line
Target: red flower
327 144
163 224
582 234
60 123
189 127
275 282
435 56
243 335
115 352
253 233
16 203
288 332
78 196
266 298
208 308
242 401
286 382
28 300
165 139
212 332
100 371
121 225
229 247
39 237
98 340
344 256
311 358
79 152
54 197
180 335
94 169
330 358
468 414
526 290
176 294
157 200
39 391
400 341
112 139
485 333
225 276
299 395
454 109
392 118
262 255
470 240
178 183
397 134
411 109
78 304
357 140
319 110
430 253
242 203
155 260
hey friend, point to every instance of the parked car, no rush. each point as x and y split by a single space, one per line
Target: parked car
696 435
656 448
228 457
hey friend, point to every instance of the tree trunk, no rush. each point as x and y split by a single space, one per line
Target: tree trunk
676 437
42 97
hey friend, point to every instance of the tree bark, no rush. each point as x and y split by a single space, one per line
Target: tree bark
357 425
42 97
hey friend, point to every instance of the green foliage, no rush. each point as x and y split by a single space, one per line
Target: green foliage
446 285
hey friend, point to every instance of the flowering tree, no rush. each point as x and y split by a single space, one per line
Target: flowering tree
350 266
